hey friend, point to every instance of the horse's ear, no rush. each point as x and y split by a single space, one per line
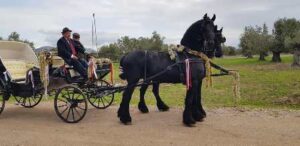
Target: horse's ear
221 29
213 18
205 16
216 27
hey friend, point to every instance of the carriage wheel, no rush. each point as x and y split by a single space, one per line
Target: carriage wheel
29 102
103 99
70 104
2 103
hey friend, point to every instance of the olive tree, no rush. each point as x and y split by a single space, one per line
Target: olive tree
294 45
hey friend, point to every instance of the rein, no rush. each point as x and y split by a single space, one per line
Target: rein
209 64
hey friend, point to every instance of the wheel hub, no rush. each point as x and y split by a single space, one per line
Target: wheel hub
73 104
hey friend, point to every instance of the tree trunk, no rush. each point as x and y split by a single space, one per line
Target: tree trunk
262 56
296 62
249 55
276 57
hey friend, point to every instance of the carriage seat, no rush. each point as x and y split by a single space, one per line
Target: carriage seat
17 68
58 62
100 62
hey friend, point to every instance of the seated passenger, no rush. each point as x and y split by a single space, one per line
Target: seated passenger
79 47
67 50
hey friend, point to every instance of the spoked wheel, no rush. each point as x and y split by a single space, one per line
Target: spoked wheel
100 99
70 104
29 102
2 103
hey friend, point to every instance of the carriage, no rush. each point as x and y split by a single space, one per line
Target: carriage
21 78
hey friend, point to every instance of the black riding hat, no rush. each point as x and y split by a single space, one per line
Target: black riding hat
66 29
76 35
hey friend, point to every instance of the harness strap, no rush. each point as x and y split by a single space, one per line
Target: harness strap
6 76
207 65
177 60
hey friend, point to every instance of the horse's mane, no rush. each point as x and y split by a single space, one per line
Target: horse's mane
191 35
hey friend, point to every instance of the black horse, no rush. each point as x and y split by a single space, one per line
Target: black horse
159 103
136 65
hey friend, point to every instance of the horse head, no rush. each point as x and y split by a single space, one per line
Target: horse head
219 39
200 36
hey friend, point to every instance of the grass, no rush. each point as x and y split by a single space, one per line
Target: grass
263 85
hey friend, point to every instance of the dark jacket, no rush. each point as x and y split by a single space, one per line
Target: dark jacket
63 48
79 47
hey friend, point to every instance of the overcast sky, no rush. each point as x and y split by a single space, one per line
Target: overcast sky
41 21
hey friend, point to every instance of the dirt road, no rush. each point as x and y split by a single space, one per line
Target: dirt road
40 126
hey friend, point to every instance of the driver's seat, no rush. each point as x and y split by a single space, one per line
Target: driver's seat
58 62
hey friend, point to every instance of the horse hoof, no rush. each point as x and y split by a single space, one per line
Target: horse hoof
188 119
143 108
189 123
203 113
126 123
198 117
163 107
126 120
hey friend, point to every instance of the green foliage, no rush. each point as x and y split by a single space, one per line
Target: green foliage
154 43
126 44
110 51
14 36
255 40
284 29
31 44
293 43
1 38
229 50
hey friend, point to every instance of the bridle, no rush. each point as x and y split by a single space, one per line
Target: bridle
206 48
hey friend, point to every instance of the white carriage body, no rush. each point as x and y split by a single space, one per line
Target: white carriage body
17 57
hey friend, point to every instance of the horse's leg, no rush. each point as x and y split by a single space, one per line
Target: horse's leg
199 101
142 105
198 114
123 112
160 104
187 113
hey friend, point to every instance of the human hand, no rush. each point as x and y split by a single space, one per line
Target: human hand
74 57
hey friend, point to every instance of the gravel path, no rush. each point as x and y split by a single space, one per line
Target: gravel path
41 126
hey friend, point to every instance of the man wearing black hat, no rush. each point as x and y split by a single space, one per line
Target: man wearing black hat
67 51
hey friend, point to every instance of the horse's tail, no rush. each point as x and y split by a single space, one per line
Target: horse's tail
122 74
